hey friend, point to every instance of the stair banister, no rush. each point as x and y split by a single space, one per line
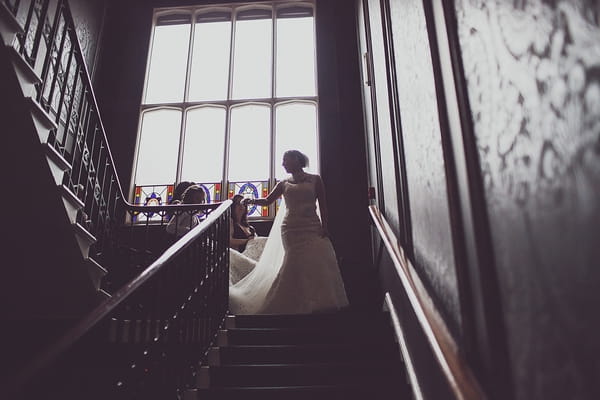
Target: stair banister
455 368
80 137
199 260
105 309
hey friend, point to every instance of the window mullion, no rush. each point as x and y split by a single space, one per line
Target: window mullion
273 92
185 98
225 184
181 145
188 70
231 54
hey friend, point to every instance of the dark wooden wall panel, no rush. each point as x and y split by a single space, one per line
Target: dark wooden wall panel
383 116
425 164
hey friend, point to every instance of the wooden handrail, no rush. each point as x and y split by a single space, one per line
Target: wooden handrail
110 304
454 366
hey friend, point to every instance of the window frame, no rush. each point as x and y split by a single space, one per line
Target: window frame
229 103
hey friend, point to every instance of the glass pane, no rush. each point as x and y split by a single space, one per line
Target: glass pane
159 147
252 59
212 190
151 196
295 70
210 62
249 143
251 190
295 129
168 62
204 143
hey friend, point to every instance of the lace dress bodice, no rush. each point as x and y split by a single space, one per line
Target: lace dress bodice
300 199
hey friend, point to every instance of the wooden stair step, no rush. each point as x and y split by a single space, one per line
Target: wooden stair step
301 374
273 336
9 26
317 392
355 320
296 354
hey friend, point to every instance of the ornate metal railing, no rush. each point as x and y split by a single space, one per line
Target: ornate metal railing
168 296
131 245
66 94
148 339
50 45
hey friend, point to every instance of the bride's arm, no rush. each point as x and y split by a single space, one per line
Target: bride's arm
274 195
322 205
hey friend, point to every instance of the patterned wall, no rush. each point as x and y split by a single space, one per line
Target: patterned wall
88 16
426 176
533 75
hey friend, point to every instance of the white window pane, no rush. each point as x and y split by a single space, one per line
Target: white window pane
168 63
210 63
204 143
295 70
158 149
252 59
295 129
249 143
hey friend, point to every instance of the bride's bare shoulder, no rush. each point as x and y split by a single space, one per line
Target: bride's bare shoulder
315 177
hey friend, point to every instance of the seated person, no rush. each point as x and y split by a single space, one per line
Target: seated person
179 190
245 247
240 231
182 223
177 195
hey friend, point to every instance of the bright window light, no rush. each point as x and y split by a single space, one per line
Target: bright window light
252 59
168 63
249 143
158 148
230 88
295 57
296 127
204 145
210 62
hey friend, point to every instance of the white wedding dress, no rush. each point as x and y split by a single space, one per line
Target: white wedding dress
242 263
298 271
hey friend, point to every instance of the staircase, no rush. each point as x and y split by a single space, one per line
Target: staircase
346 355
33 133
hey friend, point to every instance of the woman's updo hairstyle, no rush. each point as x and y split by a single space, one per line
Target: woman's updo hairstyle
301 157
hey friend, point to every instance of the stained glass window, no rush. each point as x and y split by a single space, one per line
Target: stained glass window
212 191
251 190
151 196
228 89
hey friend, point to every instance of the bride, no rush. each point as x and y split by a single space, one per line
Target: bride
298 270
